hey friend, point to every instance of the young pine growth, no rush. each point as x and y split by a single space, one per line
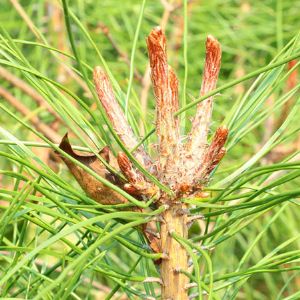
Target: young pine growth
184 168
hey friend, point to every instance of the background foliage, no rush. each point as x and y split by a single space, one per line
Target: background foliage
55 242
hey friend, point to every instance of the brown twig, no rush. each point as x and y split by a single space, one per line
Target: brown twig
40 38
176 37
123 55
290 84
27 89
57 26
19 106
279 152
277 174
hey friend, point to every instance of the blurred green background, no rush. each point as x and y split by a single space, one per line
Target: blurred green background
251 33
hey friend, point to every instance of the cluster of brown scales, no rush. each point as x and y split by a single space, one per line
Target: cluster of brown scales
183 165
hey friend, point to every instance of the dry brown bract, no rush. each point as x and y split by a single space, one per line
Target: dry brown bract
184 168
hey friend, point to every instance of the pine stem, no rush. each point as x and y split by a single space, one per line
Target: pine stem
174 281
